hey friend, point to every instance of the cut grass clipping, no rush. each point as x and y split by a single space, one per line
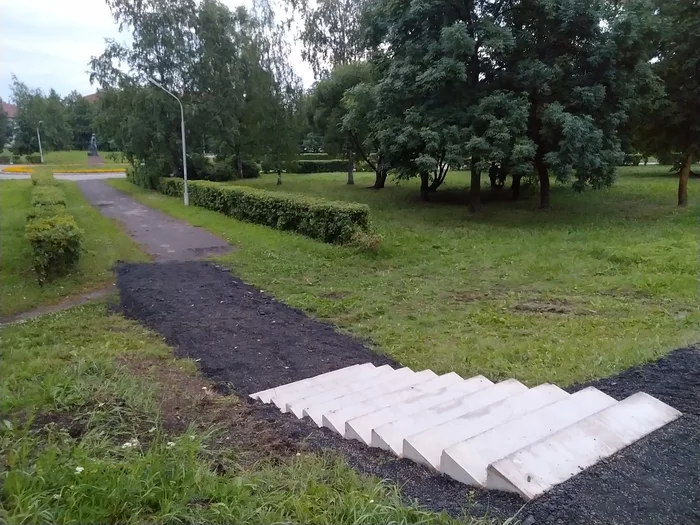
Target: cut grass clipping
605 280
82 440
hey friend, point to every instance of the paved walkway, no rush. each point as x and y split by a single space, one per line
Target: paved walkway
165 238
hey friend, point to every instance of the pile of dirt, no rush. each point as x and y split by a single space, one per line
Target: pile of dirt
245 341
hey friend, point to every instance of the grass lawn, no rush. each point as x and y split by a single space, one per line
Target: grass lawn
604 280
104 244
88 434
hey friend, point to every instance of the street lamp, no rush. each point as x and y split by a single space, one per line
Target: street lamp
184 150
38 136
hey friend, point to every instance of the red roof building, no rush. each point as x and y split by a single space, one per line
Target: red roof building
10 109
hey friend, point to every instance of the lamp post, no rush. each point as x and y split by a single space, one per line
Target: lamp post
38 136
184 149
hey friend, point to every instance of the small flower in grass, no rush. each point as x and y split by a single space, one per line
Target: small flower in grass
371 501
170 444
151 430
132 443
78 470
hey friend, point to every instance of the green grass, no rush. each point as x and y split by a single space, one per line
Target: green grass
104 244
605 280
67 409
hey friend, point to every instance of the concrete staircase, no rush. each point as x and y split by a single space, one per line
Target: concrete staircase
501 436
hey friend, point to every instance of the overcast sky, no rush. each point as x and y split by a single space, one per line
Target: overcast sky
48 43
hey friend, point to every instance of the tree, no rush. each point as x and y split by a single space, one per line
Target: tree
81 116
675 123
35 110
4 126
327 110
576 61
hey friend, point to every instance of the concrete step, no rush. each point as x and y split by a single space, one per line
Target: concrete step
360 428
337 419
538 467
266 395
356 380
317 409
467 461
391 435
427 447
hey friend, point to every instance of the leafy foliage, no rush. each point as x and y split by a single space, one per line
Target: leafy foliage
54 235
318 166
327 221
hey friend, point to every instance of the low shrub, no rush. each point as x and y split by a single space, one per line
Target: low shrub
48 195
670 159
16 159
327 221
5 159
632 159
315 156
55 242
33 159
53 234
318 166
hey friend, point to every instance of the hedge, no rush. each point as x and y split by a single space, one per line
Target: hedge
327 221
317 166
5 159
53 234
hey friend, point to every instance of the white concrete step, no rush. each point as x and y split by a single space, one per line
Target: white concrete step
467 461
337 419
427 447
358 379
391 435
535 469
266 395
316 410
360 428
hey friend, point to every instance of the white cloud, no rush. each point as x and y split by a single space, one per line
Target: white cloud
48 43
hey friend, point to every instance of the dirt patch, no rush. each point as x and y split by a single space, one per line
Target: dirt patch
65 304
73 425
544 307
187 399
246 341
335 296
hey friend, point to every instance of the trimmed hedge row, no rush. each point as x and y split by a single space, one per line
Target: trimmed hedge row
53 233
318 166
327 221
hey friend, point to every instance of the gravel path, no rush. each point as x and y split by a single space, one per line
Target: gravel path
245 341
162 236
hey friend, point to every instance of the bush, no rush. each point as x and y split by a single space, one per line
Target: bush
327 221
315 156
53 234
670 159
632 159
146 175
319 166
33 159
48 196
55 245
5 159
16 159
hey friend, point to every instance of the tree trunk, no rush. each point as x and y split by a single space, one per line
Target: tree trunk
279 177
239 166
379 179
515 187
351 164
475 187
683 177
424 189
543 175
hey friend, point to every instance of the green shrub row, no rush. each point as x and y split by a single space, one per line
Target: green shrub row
317 166
14 159
327 221
52 233
316 156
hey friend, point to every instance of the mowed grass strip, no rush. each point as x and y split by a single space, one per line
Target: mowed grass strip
605 280
104 243
85 440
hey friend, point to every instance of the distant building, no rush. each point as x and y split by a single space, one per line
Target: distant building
92 98
10 109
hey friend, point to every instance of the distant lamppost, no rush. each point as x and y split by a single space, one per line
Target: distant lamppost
38 136
184 150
